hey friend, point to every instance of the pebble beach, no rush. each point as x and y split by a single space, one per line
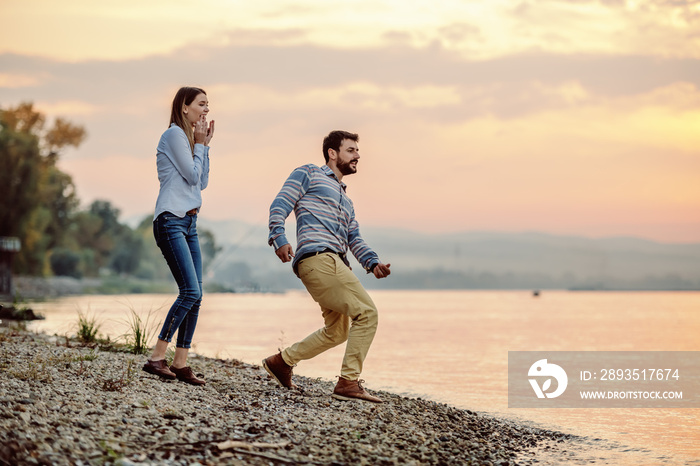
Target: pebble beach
65 403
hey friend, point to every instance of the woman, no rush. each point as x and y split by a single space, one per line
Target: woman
183 171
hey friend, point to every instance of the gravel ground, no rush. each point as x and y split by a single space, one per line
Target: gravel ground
63 403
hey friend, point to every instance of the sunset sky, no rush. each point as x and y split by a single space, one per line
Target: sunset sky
576 117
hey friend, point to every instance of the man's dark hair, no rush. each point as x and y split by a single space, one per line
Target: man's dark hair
335 139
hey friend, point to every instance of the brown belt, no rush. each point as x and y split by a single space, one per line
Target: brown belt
192 212
342 256
310 254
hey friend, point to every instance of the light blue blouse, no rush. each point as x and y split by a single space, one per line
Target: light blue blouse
182 176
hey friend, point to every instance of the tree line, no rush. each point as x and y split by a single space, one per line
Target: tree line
39 205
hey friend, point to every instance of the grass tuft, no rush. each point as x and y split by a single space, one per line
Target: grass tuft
87 327
119 383
36 370
140 333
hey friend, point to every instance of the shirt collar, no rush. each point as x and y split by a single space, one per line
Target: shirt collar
327 170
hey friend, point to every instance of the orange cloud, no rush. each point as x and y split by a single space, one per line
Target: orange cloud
77 30
14 81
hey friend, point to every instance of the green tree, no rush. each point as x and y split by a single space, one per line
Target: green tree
153 265
65 262
104 243
37 198
207 243
82 237
126 256
122 246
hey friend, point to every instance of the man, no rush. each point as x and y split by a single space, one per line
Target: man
326 227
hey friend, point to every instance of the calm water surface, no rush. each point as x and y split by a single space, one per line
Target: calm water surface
452 347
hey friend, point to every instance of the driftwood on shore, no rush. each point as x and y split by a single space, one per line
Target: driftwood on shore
61 403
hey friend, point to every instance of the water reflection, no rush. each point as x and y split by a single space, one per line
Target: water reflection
453 347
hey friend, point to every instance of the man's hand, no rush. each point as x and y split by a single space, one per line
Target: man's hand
381 270
285 253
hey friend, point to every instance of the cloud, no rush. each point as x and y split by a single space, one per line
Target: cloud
66 108
79 30
15 80
648 27
302 67
257 87
256 90
526 141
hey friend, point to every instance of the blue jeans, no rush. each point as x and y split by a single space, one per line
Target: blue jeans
178 241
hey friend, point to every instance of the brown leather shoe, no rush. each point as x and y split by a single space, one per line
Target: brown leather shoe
279 370
186 375
348 390
159 368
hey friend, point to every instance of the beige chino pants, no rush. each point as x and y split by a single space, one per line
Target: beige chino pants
348 314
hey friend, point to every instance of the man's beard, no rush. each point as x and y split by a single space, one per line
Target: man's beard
346 168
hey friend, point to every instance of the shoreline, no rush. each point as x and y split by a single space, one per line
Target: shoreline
42 288
63 403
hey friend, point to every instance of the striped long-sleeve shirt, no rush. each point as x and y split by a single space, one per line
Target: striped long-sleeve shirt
325 216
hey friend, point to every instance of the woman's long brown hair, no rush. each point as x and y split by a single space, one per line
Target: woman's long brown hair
184 96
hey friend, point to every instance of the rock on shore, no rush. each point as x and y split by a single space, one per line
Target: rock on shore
61 403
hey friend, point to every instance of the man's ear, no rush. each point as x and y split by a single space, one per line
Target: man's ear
332 154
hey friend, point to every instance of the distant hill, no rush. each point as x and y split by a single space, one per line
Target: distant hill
473 260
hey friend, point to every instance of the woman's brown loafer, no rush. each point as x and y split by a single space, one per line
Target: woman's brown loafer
159 368
186 375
